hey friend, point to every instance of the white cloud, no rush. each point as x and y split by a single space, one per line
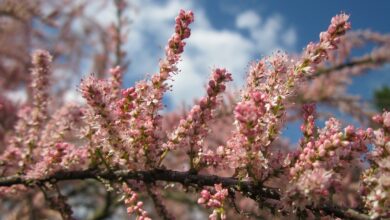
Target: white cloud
207 48
248 19
269 35
187 84
289 37
17 96
151 28
74 96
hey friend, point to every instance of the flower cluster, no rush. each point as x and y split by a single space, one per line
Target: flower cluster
40 88
214 201
40 84
31 119
272 81
138 108
192 130
260 114
173 51
308 128
126 104
317 52
62 125
332 148
136 115
16 150
116 80
324 154
376 180
96 92
314 184
61 156
7 116
134 207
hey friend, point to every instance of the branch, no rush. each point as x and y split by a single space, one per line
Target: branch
158 203
185 178
106 210
357 62
250 189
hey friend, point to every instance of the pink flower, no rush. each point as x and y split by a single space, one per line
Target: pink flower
214 201
194 126
386 119
133 206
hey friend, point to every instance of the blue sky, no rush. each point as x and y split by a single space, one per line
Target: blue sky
308 17
231 33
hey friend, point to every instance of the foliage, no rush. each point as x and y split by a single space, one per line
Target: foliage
382 98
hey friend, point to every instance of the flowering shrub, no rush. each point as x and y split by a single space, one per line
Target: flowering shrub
120 138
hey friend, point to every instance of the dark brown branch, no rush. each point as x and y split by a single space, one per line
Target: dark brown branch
158 204
185 178
106 210
248 188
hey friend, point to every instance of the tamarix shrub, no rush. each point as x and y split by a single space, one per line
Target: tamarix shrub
120 152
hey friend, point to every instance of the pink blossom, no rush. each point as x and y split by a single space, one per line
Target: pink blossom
134 206
116 80
100 114
61 156
192 130
317 52
386 119
376 181
214 201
